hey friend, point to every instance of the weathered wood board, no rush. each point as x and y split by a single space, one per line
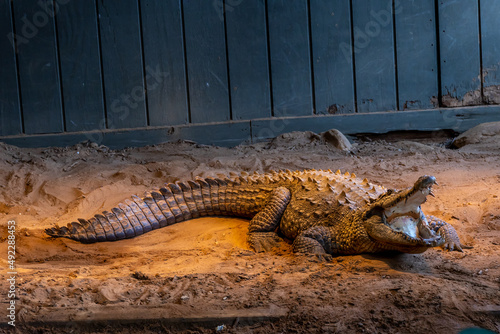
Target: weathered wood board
206 62
490 42
417 55
459 50
38 68
290 57
10 112
374 56
248 59
122 63
79 57
165 68
332 57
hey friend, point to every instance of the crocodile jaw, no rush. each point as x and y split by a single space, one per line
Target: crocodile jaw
406 217
396 220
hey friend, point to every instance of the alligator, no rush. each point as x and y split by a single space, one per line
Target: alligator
323 212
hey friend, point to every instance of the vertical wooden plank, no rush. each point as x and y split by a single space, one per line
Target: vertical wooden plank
10 112
38 66
374 55
332 56
417 54
206 61
248 59
490 35
122 64
459 49
164 60
290 57
80 65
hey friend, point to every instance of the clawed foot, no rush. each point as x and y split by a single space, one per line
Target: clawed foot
453 246
263 241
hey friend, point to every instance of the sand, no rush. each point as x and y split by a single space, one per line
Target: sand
201 274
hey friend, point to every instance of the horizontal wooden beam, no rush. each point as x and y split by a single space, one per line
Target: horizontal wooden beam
235 132
457 119
170 315
219 134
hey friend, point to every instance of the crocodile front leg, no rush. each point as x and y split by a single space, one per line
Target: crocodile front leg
261 231
315 240
447 232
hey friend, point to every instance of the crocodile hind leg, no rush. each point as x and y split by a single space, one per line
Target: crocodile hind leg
315 240
447 232
262 228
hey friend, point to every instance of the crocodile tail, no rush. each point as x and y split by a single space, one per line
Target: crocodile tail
173 203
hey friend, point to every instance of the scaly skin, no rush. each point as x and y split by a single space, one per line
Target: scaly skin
324 213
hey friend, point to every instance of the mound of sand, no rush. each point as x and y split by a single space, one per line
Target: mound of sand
299 139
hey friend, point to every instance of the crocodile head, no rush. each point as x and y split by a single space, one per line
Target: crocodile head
396 220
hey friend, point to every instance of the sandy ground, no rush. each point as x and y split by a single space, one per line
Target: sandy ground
194 276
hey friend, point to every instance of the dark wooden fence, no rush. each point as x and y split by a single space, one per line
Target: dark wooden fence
133 72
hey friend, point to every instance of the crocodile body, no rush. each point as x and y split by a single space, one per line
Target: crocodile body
324 213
